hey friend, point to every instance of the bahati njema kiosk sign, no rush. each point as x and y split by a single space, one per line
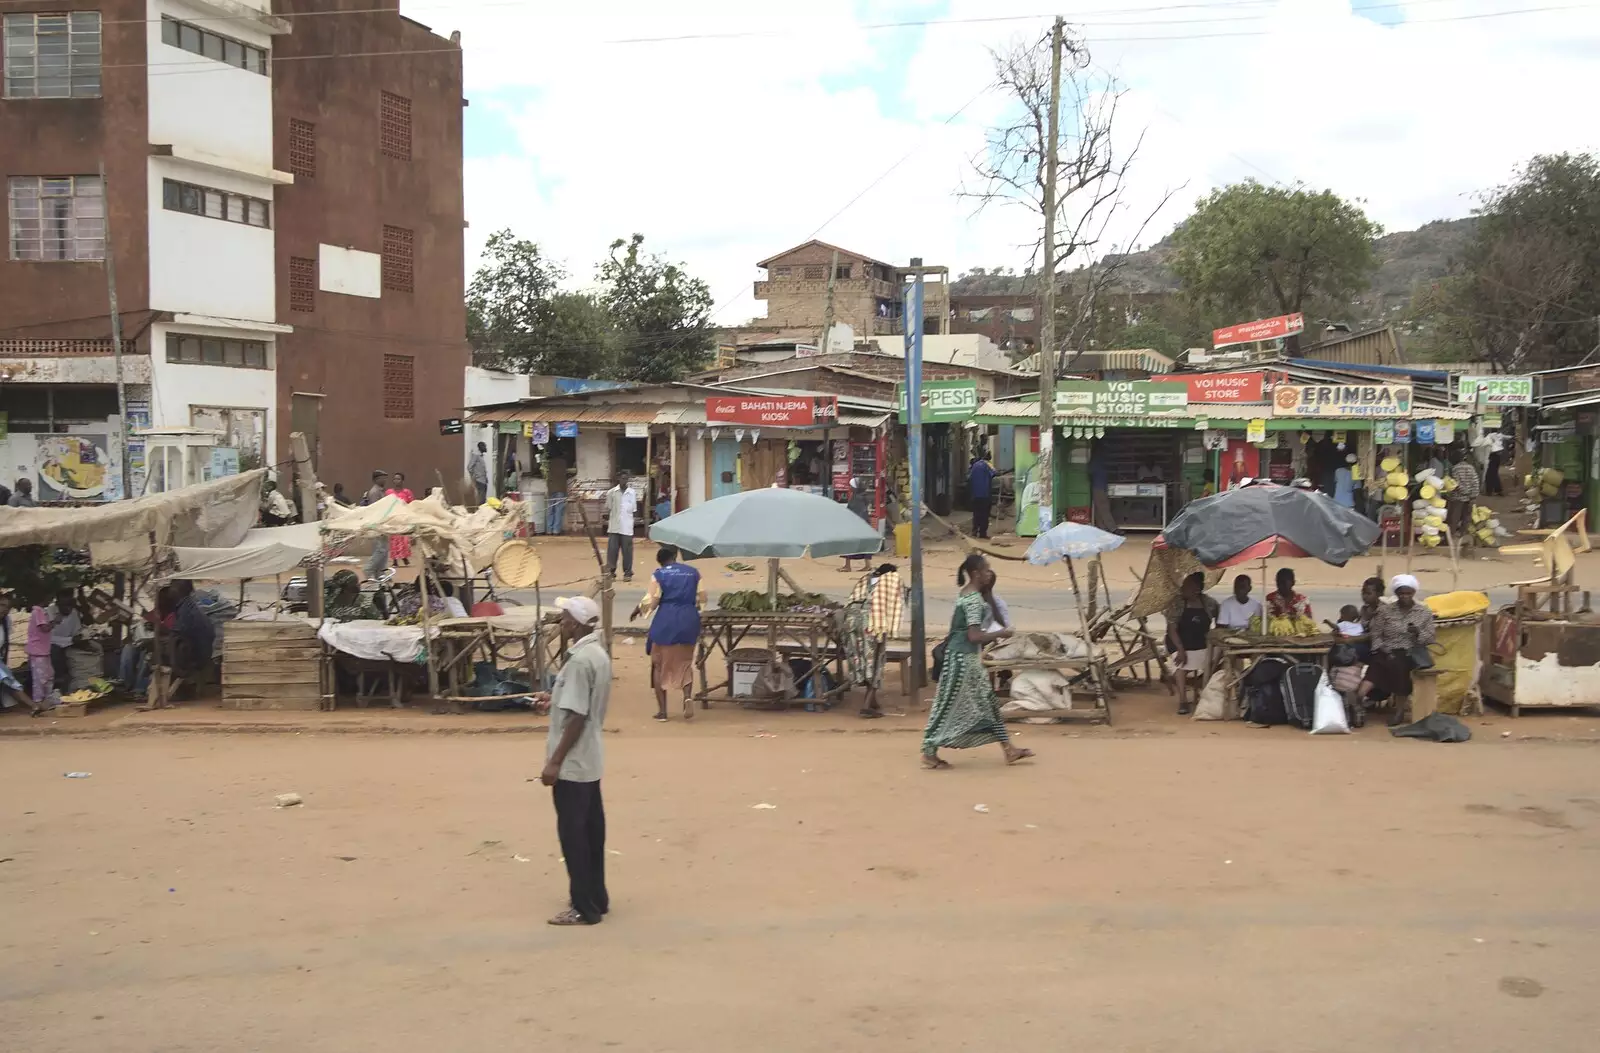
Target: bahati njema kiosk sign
775 411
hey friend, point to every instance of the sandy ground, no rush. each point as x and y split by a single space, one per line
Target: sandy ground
1149 886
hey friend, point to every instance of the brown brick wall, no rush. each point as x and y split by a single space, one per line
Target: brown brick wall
56 137
339 348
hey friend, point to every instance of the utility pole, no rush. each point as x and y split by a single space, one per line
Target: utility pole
1047 320
919 627
827 311
116 334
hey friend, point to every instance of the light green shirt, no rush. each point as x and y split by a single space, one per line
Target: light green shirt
582 688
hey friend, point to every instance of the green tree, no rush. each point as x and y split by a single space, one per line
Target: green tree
1250 249
661 315
1528 292
518 317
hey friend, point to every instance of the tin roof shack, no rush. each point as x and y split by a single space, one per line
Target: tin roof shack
661 434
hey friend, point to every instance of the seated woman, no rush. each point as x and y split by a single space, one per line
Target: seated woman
1284 601
1189 621
1397 628
343 600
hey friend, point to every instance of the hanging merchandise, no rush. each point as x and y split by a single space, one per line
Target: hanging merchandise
1383 432
1256 431
1424 432
1402 431
1444 432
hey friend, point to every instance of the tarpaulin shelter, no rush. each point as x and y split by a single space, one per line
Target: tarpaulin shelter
264 552
444 533
218 513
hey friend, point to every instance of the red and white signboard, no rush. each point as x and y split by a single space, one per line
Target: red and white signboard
1262 329
1220 387
773 411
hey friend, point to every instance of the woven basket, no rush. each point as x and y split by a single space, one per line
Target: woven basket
517 565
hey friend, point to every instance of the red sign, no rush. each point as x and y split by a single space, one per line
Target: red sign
1220 387
1506 637
773 411
1264 329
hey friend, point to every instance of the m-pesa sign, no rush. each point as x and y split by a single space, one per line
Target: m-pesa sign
1220 387
1261 329
773 411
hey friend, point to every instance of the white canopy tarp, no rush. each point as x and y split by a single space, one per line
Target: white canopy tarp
218 513
450 534
266 551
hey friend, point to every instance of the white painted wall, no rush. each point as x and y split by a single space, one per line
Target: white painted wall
202 103
19 458
351 272
698 451
200 265
488 387
594 453
178 387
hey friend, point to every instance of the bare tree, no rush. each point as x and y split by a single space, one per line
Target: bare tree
1091 176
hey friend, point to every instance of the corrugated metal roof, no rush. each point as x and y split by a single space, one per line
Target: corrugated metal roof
581 414
863 420
1012 409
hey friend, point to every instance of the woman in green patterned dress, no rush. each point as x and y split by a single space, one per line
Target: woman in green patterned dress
965 710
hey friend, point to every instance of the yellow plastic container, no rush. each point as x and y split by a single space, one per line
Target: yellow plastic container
902 540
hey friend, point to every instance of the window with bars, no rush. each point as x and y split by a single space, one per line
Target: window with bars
215 351
53 56
302 284
57 218
398 274
816 273
394 126
399 387
215 204
213 45
302 148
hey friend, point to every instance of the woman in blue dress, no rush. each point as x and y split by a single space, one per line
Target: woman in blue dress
675 594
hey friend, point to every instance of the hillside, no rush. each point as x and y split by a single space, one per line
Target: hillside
1406 259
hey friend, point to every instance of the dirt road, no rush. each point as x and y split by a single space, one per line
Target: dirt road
1203 893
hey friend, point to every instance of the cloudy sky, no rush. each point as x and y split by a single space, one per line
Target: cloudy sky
728 130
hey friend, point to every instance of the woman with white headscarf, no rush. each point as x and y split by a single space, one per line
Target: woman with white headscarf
1396 628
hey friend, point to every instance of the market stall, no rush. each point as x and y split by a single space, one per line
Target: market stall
773 523
1544 650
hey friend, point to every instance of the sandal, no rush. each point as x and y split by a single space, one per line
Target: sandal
1019 755
688 709
568 917
934 763
871 714
661 717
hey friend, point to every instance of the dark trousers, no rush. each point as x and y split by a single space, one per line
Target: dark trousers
58 662
581 825
980 515
1491 478
622 543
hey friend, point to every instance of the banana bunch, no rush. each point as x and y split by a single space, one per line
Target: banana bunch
1255 624
1280 627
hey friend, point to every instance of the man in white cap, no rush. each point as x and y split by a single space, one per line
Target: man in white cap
573 759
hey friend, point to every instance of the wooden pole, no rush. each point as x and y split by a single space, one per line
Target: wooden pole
607 593
427 634
538 637
305 480
772 600
672 470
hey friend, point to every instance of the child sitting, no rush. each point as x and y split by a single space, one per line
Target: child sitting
1350 621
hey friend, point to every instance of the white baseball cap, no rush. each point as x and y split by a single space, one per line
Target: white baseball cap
583 610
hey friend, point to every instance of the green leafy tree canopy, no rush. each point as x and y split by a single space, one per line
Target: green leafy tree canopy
519 318
1250 249
662 315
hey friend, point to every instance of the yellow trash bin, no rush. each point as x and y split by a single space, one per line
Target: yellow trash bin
902 540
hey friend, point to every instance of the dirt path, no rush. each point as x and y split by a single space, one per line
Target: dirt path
1198 893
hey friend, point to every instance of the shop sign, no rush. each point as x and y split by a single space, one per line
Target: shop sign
1425 432
1222 387
1256 430
1383 432
1495 390
1402 431
509 427
1119 398
1490 420
636 429
942 400
1262 329
447 426
541 433
566 429
773 411
1341 400
1444 432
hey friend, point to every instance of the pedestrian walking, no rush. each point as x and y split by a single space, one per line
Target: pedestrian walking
965 711
980 490
675 594
400 544
621 504
478 471
574 760
1465 473
1491 476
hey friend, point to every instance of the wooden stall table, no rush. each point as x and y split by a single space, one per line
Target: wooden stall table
1090 668
813 635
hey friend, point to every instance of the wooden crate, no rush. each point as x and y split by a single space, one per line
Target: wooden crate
271 665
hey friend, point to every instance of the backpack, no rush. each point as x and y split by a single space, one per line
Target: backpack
1300 693
1261 690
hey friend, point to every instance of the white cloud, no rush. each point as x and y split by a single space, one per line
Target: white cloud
724 151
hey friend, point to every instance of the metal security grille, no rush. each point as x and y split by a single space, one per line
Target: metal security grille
302 148
302 284
397 261
399 387
394 126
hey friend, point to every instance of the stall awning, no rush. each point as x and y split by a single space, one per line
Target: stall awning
214 513
535 414
1018 411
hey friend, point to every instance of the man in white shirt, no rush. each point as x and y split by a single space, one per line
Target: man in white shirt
1491 475
621 504
1236 611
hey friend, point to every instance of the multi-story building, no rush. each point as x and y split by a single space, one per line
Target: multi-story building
284 202
866 294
